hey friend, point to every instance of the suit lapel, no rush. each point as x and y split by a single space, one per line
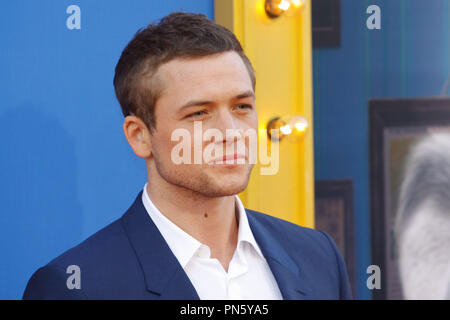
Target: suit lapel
163 274
292 283
166 279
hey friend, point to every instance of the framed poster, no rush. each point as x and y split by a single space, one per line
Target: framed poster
395 126
334 215
326 23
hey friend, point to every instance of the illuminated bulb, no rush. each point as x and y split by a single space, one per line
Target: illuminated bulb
286 130
300 126
291 126
297 3
284 5
275 8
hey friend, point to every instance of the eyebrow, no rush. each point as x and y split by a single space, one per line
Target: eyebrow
191 103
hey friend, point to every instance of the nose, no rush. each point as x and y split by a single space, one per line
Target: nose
226 121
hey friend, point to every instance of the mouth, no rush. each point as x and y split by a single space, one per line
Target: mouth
229 160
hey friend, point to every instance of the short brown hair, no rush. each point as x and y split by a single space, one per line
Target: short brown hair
178 35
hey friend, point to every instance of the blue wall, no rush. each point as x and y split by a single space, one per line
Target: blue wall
408 57
67 169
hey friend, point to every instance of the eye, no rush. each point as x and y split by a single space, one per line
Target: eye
243 106
197 114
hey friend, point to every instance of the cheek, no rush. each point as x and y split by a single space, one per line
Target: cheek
182 140
162 143
251 124
251 121
255 121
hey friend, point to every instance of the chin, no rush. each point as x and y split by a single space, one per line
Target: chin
228 188
223 185
222 192
235 189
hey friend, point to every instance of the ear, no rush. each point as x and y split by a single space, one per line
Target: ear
138 136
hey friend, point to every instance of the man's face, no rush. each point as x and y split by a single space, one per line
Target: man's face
217 91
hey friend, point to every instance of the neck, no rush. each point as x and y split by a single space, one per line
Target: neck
211 220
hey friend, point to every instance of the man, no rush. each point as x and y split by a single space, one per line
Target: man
187 235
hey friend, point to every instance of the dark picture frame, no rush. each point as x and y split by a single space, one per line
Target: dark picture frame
395 125
334 215
326 23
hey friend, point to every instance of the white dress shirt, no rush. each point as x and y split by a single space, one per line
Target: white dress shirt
248 277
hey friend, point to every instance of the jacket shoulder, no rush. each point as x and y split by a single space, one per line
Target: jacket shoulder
94 248
286 229
313 250
100 256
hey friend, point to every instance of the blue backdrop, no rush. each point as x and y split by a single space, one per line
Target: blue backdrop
66 168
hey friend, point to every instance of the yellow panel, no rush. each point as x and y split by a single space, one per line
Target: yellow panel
280 51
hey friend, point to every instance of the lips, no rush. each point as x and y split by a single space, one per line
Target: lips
229 159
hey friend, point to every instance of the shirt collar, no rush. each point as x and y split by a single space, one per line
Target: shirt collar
245 234
182 244
179 241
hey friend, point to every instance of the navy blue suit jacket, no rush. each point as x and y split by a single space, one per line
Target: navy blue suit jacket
129 259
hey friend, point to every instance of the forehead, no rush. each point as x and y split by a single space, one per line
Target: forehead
219 72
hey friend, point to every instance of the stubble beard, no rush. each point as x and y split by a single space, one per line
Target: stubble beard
201 184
